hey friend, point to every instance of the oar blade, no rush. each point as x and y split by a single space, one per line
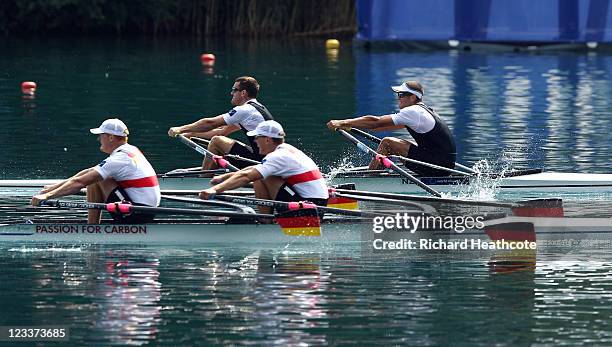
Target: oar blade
516 259
514 231
303 222
548 207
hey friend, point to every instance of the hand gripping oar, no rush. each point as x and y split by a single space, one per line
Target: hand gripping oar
216 158
387 162
294 205
125 208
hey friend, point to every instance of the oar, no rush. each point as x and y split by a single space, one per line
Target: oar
387 162
200 140
129 208
237 157
293 205
366 135
430 165
292 223
241 208
205 142
378 140
183 192
466 168
421 207
406 197
196 192
545 207
193 172
216 158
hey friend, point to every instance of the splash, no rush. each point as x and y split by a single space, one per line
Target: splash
344 163
483 186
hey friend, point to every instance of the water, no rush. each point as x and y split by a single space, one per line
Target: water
545 110
217 296
521 110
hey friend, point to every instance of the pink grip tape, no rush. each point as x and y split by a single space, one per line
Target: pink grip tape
384 160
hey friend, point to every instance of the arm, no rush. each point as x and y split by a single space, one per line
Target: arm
233 180
71 186
55 186
220 178
224 130
203 125
365 122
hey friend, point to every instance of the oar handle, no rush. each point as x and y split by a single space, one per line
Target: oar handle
387 162
216 158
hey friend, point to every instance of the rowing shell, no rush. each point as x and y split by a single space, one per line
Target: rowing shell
521 181
546 231
178 232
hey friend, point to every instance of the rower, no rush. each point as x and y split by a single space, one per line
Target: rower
285 174
434 141
246 115
125 176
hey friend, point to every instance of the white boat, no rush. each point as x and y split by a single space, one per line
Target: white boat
546 231
518 181
178 232
529 181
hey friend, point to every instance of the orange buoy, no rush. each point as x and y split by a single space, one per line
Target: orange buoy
208 59
28 87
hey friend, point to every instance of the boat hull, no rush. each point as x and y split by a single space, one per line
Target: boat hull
543 182
171 233
578 232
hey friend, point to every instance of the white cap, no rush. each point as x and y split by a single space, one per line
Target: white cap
268 128
403 88
111 126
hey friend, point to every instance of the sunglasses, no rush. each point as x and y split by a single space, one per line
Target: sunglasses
402 95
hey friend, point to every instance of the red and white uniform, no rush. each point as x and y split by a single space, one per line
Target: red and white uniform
132 172
297 169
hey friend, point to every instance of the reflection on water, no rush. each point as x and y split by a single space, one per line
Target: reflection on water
289 297
532 110
107 297
128 298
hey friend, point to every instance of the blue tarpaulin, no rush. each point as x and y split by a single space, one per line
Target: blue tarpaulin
544 21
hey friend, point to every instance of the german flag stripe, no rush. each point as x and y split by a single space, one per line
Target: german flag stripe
345 203
298 222
303 231
511 232
347 206
301 225
538 211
